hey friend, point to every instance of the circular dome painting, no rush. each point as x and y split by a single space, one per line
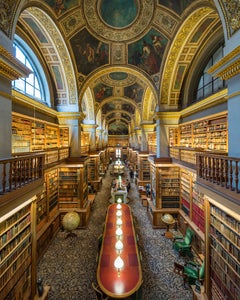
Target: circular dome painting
118 13
118 75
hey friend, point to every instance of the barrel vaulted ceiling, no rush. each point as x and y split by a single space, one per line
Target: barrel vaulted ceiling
119 60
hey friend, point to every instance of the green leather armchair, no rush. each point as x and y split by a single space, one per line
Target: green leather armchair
182 244
193 272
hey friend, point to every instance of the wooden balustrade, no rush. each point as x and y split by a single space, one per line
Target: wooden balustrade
19 171
219 169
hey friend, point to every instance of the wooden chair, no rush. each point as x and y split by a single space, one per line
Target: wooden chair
183 244
98 292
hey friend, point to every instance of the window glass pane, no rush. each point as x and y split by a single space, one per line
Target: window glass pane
28 65
38 94
29 89
30 79
37 84
20 55
20 84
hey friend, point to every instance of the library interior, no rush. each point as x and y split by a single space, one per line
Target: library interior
119 149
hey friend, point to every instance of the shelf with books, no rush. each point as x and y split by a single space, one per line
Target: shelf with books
21 135
51 179
173 136
186 191
198 207
52 136
15 253
64 137
38 136
42 206
225 254
168 186
186 135
68 187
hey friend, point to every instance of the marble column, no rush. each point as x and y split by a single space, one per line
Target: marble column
91 129
146 129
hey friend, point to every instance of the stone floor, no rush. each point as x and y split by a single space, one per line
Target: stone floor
69 265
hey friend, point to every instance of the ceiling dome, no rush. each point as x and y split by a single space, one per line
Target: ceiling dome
118 13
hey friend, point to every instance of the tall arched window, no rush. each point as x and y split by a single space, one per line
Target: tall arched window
207 84
35 85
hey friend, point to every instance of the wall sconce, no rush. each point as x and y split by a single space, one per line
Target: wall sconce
118 264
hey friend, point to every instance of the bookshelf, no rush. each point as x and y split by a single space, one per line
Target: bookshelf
209 133
152 142
38 136
224 255
143 167
15 255
93 171
30 134
52 136
186 191
51 179
198 207
68 187
64 137
21 135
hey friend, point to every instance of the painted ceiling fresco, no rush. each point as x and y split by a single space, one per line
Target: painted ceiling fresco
118 48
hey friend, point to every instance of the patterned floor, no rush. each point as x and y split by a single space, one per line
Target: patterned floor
69 265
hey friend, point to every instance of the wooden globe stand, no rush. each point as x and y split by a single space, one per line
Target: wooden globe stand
168 220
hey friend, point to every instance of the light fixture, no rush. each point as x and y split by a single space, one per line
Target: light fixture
119 222
119 206
118 264
119 200
119 232
119 213
119 245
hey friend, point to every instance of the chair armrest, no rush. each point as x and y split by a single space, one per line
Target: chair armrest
177 237
192 264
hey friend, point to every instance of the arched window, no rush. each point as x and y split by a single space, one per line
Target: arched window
207 84
35 85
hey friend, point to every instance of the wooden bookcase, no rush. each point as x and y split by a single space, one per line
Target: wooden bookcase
51 179
30 134
152 142
16 255
52 137
64 137
21 135
93 171
186 191
143 167
224 255
209 133
165 190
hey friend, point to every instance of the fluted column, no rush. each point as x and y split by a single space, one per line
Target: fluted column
73 121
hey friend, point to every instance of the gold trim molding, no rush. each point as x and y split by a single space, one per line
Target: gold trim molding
10 67
228 66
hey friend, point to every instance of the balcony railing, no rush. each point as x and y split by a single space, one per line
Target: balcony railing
220 170
19 171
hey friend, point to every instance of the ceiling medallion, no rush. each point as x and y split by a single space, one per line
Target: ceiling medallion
125 28
110 79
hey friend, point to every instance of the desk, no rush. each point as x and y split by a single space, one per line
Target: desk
128 280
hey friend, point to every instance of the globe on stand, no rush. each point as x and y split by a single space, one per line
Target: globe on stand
168 220
71 221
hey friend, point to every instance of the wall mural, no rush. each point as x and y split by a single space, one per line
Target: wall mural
89 52
177 6
128 107
147 52
118 128
60 6
102 91
108 107
134 91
